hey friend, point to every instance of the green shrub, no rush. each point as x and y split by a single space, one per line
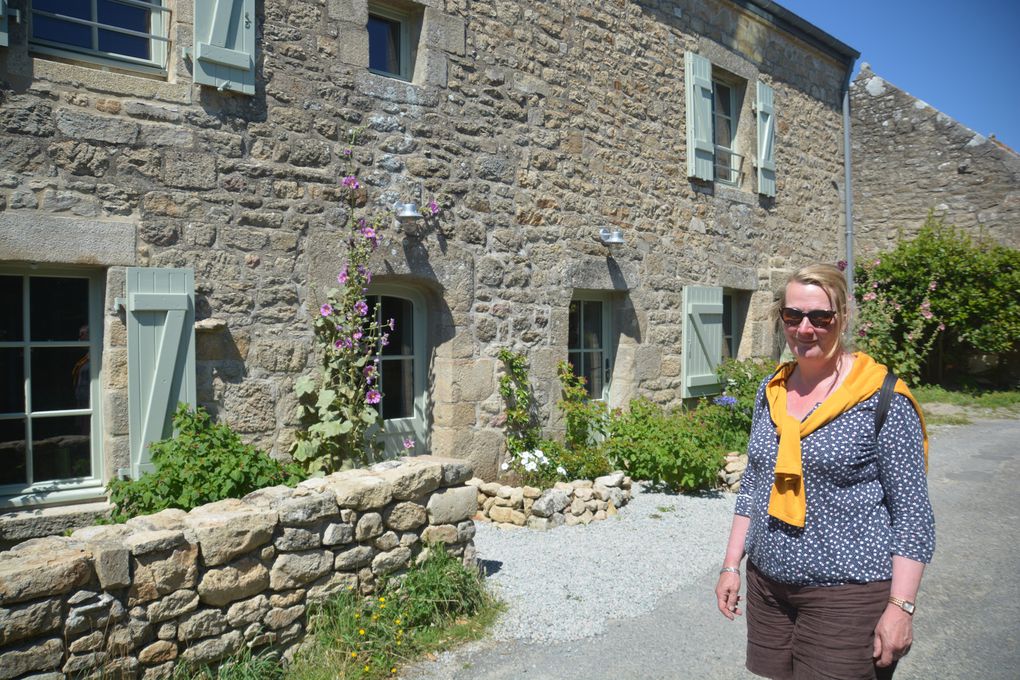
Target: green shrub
941 287
439 590
204 462
662 447
244 665
522 432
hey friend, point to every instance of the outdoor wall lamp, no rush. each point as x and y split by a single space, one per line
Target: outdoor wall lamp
408 213
611 238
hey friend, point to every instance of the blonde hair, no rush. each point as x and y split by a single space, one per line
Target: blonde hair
830 279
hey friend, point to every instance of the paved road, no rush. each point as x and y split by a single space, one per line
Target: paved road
967 625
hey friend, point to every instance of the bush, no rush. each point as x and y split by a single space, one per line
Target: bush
204 462
939 288
662 447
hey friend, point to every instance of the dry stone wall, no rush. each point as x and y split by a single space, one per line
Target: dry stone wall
134 600
910 158
567 503
535 124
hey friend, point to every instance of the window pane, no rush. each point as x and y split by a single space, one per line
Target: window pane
59 308
574 326
60 378
593 374
132 18
60 448
10 302
576 360
383 45
727 326
12 381
79 9
12 452
398 388
402 335
592 318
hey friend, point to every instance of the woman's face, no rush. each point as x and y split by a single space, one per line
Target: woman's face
806 342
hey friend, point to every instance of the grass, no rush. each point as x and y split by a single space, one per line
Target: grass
436 605
946 419
928 394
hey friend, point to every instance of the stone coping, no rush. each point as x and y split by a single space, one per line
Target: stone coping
570 503
135 599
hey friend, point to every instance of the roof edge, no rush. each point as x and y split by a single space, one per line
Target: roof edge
784 19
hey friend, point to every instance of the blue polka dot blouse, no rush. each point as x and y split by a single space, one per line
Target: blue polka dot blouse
867 499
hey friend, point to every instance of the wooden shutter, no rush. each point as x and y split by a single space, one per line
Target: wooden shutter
225 44
766 140
3 23
161 354
700 145
702 340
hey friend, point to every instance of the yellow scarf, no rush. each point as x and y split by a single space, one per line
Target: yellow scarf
787 500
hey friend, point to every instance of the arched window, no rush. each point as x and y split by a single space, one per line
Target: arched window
401 368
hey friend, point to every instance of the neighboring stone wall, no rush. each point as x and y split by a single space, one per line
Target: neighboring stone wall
133 600
579 502
732 471
536 124
909 159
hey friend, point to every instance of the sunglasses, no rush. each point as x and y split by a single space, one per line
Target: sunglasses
819 318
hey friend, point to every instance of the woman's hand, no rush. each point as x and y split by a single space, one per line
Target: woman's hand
727 593
893 635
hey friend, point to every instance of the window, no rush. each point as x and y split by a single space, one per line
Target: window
50 336
588 331
115 32
392 40
401 368
725 113
735 304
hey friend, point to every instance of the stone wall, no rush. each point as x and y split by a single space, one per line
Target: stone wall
909 159
136 599
535 124
568 503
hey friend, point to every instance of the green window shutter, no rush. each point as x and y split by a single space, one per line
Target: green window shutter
161 354
3 23
225 44
698 91
702 340
766 140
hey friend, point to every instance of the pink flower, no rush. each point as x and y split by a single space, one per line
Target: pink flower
433 207
373 396
361 308
862 333
342 277
408 443
942 327
933 285
351 182
390 324
841 265
869 296
326 309
368 232
357 335
347 153
385 339
926 313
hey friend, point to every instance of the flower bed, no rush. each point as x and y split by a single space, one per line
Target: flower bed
578 502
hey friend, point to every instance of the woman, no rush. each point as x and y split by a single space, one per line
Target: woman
834 517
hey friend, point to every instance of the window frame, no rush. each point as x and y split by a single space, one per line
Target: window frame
733 171
394 430
406 21
607 336
159 39
79 488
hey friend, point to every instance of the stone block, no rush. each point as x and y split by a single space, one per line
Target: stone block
353 44
443 533
413 479
206 652
28 620
351 559
42 568
236 581
172 606
159 573
84 126
229 529
112 562
369 526
160 540
281 617
387 562
550 502
246 612
359 490
188 169
292 570
451 505
201 624
337 534
444 31
405 515
158 652
388 541
328 586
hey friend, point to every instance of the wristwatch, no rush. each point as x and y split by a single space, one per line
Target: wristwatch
906 606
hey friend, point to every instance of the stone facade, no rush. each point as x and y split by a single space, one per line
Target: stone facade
909 159
535 125
582 501
136 599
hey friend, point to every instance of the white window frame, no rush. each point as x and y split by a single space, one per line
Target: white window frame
731 174
607 337
407 22
395 430
159 37
80 488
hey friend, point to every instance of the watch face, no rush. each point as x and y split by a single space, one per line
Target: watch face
908 607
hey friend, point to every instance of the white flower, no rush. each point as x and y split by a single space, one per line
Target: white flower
561 471
530 467
504 466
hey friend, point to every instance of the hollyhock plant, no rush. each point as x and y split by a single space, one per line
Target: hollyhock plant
340 406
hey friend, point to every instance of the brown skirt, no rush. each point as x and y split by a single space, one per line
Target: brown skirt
813 632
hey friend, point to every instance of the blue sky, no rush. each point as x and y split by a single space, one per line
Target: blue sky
963 58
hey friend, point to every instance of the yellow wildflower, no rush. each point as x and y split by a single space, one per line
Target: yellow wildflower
354 655
361 631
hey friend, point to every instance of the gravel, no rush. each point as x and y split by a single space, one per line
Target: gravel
566 583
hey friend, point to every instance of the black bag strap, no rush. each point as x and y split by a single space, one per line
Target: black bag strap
884 399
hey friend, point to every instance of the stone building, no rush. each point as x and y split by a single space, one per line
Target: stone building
909 159
177 167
